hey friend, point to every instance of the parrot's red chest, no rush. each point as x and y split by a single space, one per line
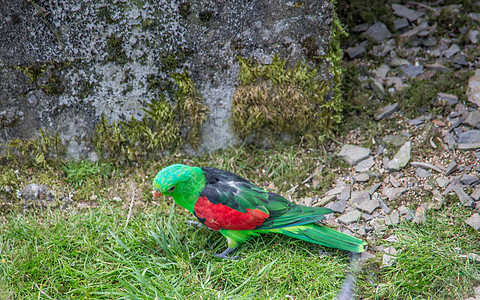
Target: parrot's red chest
219 216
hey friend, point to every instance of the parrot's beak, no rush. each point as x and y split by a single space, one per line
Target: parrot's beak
156 194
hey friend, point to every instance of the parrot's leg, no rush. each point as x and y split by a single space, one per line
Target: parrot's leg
225 254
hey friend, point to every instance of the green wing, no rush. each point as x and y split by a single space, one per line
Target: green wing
240 194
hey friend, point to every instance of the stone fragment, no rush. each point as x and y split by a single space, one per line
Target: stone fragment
361 27
416 121
337 206
475 16
468 179
454 49
401 158
324 200
475 195
386 111
350 217
448 98
384 206
389 256
377 87
365 164
368 206
462 196
437 200
477 289
474 221
427 166
400 23
437 67
393 218
473 93
378 32
393 193
413 32
344 194
352 154
473 118
374 188
360 196
459 59
405 12
469 137
451 167
442 182
471 146
395 140
362 177
473 35
382 71
412 70
420 216
422 173
397 62
357 50
394 181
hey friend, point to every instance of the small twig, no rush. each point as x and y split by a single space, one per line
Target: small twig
130 209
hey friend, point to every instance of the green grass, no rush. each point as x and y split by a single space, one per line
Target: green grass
92 255
432 260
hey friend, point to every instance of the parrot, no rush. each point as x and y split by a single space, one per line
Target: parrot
239 210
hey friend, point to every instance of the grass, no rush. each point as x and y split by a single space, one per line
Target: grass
93 255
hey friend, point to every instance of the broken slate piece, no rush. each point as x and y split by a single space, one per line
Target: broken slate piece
384 206
448 98
360 196
368 206
405 12
393 218
473 118
474 221
382 71
386 111
442 182
337 206
400 23
393 193
401 158
469 137
420 216
357 50
475 195
365 164
412 70
352 154
468 179
454 49
473 92
344 194
452 167
378 32
425 165
422 173
462 196
395 140
350 217
362 177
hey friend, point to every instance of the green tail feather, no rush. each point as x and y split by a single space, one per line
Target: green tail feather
324 236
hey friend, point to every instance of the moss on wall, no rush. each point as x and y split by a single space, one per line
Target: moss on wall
273 99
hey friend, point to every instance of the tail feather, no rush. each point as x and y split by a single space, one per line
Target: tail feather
324 236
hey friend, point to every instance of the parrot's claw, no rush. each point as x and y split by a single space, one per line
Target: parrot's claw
224 254
194 223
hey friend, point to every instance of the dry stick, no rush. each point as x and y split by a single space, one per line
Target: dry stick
130 209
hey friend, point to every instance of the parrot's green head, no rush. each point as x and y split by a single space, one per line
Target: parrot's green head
183 183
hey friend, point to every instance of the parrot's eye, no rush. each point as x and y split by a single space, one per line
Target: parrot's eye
171 189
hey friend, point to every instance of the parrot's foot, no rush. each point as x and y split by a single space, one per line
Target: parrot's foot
225 253
194 223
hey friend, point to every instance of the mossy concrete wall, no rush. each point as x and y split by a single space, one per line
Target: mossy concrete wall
64 63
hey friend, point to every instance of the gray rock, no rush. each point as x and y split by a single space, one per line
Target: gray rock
475 16
462 196
352 154
378 32
393 193
357 50
344 194
365 164
393 218
469 137
448 98
468 179
382 71
475 195
473 118
394 181
397 62
337 206
384 206
451 167
361 27
473 35
374 188
37 195
403 11
362 177
350 217
324 200
360 196
442 182
420 216
437 200
469 146
395 140
400 23
412 70
386 111
460 59
368 206
437 66
390 256
416 121
377 87
422 173
454 49
401 158
474 221
426 166
473 92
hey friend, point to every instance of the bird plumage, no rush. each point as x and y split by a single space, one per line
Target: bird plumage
238 209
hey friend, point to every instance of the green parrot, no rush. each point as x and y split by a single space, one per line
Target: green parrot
239 210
